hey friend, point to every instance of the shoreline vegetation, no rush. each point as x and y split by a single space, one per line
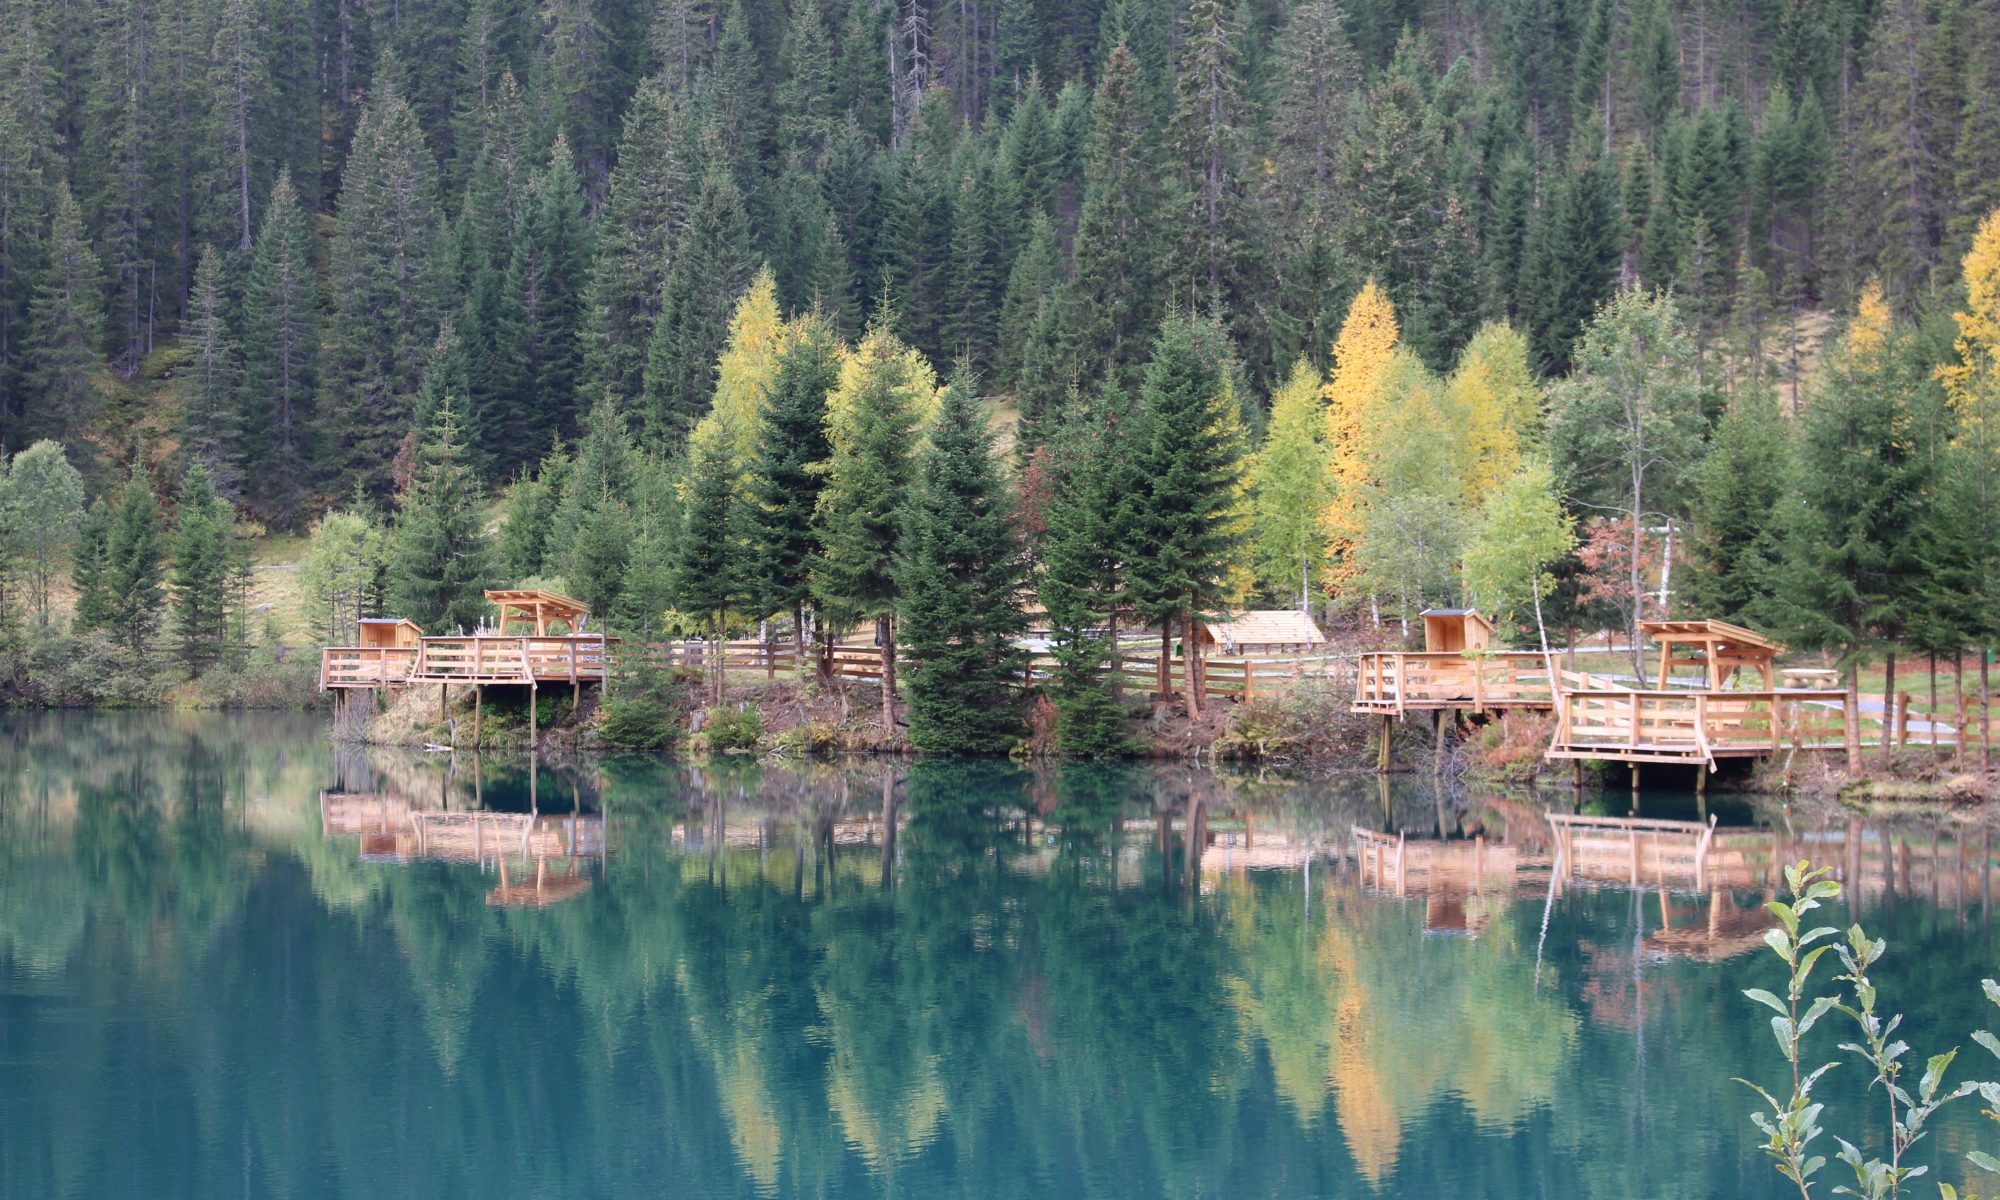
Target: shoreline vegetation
1005 339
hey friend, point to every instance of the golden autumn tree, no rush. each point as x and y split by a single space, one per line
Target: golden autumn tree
749 362
1361 357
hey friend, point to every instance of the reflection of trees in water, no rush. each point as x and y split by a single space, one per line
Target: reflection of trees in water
1060 993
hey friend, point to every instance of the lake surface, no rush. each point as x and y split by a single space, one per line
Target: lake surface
234 962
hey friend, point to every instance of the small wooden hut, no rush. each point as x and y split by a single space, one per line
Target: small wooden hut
1456 630
388 633
1263 631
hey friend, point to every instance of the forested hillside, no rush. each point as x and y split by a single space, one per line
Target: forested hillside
1428 290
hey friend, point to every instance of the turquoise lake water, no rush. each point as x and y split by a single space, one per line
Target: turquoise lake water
234 962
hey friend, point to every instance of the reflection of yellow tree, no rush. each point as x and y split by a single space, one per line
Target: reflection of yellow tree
732 1041
1364 1009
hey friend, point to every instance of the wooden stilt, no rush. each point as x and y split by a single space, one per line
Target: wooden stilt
478 711
444 692
1382 750
534 720
1437 747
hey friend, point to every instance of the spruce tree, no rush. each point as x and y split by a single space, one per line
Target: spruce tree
710 569
1188 529
239 102
545 281
1114 298
1211 125
646 593
785 481
709 273
1085 549
383 283
26 194
280 360
961 577
65 330
650 194
437 563
1852 561
90 568
1736 541
211 391
874 419
204 568
125 578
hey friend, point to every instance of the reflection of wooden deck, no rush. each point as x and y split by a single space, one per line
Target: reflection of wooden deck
1397 864
390 829
1392 683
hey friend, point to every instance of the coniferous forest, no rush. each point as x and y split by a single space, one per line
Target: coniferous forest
923 314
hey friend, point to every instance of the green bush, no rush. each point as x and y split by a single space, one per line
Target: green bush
726 728
637 723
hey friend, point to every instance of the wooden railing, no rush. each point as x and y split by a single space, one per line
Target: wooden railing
1656 726
365 666
1395 681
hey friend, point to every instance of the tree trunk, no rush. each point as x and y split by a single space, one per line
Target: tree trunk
1163 679
1191 667
1852 703
1888 709
889 674
1934 707
1117 661
798 638
1985 719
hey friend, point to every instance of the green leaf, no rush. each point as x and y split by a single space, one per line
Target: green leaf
1767 1000
1984 1161
1776 940
1784 913
1987 1040
1781 1027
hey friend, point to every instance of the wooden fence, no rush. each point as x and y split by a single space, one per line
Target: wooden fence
1226 678
1394 682
1657 726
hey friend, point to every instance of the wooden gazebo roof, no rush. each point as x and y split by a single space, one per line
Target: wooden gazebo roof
1718 646
537 607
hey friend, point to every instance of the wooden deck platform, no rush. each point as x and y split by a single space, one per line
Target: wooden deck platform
1392 683
479 658
1694 727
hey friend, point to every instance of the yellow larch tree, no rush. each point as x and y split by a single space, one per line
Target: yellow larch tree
749 362
1973 382
1361 357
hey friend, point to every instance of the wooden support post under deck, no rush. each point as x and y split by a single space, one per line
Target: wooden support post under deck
534 718
1382 752
444 692
478 711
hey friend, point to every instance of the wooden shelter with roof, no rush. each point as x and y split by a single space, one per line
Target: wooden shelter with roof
1717 648
1264 631
1697 718
1715 694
